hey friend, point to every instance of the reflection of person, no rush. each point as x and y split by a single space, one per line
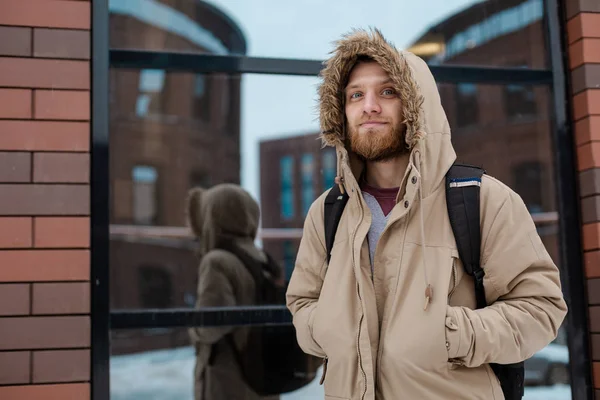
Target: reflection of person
393 313
224 214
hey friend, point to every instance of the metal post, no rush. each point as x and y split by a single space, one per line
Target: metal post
100 352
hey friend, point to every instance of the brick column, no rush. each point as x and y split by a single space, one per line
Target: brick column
583 28
44 199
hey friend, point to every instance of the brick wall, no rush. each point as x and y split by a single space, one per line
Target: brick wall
583 29
44 199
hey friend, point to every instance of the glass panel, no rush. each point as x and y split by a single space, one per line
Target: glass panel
270 149
159 364
476 32
512 142
194 139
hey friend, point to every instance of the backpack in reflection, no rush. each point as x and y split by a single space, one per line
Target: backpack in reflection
272 362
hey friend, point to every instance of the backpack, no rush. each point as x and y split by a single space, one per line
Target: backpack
271 362
462 198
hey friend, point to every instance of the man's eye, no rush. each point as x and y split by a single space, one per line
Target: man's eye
355 95
389 92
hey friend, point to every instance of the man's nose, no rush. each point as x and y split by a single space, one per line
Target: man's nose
371 104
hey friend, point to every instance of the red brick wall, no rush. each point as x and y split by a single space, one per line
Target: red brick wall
583 29
44 199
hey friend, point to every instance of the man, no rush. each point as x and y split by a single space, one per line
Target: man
393 314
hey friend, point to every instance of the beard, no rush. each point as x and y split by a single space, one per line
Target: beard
378 146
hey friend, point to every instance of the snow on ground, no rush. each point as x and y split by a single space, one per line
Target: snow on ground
168 375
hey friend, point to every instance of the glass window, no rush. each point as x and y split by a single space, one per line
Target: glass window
329 168
467 108
172 130
308 190
149 98
519 101
289 258
432 28
286 166
528 178
155 287
144 194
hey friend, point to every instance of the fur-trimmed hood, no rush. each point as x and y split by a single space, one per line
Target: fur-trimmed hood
225 212
427 127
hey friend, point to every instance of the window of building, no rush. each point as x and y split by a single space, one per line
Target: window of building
150 98
155 287
286 167
144 194
528 184
519 100
308 191
329 168
498 24
467 109
202 103
289 258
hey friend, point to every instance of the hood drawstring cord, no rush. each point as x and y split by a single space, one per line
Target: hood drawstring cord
339 179
428 287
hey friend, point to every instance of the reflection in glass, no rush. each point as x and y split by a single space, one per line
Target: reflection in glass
166 371
171 131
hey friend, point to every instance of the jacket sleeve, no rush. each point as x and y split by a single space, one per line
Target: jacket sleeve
306 282
214 290
523 290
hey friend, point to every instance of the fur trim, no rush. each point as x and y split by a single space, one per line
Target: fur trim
193 213
335 74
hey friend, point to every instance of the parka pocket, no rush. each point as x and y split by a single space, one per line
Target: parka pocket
453 278
456 284
325 360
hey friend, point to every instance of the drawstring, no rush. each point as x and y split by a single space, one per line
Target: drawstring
428 287
339 179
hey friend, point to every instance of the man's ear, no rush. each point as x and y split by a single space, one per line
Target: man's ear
193 207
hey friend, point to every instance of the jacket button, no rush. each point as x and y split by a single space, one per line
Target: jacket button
414 179
448 345
406 204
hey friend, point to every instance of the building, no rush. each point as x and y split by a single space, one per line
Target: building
87 149
506 129
300 171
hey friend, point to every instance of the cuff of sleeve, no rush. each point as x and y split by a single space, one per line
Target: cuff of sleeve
457 342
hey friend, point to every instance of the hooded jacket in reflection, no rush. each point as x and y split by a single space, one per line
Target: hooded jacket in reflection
379 340
223 213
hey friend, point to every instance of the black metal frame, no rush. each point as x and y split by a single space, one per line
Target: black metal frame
206 63
572 272
100 352
207 317
202 63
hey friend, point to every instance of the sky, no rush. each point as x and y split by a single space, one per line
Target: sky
280 106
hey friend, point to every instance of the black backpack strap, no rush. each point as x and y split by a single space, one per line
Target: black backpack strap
335 202
462 198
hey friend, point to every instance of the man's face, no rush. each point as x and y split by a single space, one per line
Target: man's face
374 113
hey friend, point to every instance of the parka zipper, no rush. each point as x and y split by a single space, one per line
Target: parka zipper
325 361
364 374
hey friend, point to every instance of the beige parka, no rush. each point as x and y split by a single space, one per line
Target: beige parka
378 339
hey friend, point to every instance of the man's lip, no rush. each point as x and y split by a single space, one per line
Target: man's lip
373 123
